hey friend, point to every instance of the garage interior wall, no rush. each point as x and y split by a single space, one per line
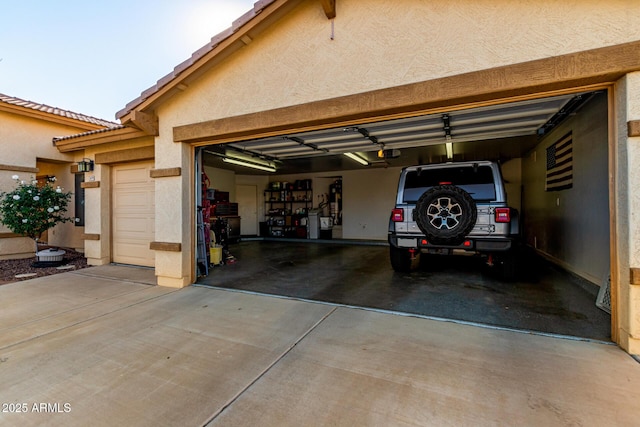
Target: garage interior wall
365 209
572 226
222 180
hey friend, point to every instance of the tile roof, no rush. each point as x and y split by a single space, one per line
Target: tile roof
258 7
115 127
6 99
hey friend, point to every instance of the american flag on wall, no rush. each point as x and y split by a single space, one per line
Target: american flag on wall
560 164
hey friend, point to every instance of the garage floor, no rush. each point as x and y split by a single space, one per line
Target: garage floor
546 299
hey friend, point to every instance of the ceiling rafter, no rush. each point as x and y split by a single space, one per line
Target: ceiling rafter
514 126
303 143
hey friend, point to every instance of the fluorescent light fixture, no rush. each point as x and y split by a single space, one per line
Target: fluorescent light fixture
449 147
248 158
267 168
357 158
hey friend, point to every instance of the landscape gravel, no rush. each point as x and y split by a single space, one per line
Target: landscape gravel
10 268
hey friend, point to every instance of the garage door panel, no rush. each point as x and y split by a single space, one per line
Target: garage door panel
134 225
139 200
131 176
134 252
133 214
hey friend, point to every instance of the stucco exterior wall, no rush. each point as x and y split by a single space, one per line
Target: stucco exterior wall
24 138
25 142
380 44
66 235
627 99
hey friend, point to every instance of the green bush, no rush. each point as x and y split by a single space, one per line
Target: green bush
33 208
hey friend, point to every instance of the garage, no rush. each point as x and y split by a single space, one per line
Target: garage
336 100
562 269
133 214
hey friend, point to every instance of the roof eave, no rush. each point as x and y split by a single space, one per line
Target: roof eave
80 142
49 117
220 46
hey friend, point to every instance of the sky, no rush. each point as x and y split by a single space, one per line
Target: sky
94 56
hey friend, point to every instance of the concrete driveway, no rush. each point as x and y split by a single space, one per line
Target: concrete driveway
104 346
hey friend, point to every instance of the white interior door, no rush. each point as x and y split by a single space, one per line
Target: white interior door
247 198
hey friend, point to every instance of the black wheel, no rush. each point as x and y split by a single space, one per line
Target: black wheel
401 260
446 214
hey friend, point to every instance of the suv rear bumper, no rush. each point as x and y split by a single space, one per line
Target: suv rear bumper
473 244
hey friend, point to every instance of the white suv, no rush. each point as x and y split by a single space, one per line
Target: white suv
453 208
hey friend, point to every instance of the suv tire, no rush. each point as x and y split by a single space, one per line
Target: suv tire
446 214
401 260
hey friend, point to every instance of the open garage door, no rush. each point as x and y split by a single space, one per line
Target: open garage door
133 214
568 226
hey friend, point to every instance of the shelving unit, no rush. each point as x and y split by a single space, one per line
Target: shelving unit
287 212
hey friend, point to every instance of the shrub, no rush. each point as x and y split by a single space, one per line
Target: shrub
33 208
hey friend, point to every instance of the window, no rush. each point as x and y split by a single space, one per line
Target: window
477 181
79 199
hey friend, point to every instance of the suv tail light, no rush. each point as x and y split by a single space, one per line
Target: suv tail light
397 215
503 214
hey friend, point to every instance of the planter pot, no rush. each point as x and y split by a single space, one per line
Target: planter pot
50 255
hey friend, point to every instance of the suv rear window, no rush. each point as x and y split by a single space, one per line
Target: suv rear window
477 181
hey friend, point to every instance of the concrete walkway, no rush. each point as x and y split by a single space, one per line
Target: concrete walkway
104 347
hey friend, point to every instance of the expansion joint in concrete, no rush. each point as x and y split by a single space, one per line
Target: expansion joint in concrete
269 367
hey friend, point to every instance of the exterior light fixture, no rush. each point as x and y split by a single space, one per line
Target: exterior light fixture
357 158
263 167
85 165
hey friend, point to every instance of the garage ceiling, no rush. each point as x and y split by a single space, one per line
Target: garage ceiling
497 132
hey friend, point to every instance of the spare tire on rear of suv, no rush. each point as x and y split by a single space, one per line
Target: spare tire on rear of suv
446 214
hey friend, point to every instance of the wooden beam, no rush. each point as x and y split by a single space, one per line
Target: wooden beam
90 184
10 235
329 7
90 236
129 155
633 128
164 173
14 168
146 121
165 246
563 73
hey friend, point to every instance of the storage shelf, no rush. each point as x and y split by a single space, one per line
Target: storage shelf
282 220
